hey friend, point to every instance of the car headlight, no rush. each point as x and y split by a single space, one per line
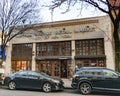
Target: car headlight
56 81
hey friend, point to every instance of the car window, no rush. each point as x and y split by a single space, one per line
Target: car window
109 73
80 72
23 73
44 74
85 72
90 72
96 73
33 74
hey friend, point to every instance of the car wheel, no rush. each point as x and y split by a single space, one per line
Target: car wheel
12 85
85 88
47 87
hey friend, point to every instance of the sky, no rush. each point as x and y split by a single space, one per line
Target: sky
74 13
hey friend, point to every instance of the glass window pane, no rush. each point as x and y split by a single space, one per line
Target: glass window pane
109 73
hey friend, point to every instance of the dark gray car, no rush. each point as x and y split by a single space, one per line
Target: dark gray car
33 80
88 79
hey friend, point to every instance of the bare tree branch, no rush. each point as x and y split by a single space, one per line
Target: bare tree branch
12 13
110 7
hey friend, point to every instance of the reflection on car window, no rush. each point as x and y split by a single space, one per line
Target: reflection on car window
44 74
109 73
96 72
33 74
23 73
92 72
80 72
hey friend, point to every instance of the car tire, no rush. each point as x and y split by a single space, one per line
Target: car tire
47 87
12 85
85 88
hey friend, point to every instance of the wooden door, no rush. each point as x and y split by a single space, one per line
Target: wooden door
56 68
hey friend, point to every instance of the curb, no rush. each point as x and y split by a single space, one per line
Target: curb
68 88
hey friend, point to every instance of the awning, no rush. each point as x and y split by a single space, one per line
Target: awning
52 57
90 57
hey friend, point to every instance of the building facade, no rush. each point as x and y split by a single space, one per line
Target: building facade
58 48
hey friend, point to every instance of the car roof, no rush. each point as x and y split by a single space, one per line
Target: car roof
87 68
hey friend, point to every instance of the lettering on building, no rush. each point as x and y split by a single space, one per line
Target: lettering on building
57 34
24 35
85 29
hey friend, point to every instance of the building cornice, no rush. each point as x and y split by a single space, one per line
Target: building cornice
66 23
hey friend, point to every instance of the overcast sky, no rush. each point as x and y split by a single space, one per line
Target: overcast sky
74 13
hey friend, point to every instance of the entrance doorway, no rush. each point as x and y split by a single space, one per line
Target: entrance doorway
64 69
56 68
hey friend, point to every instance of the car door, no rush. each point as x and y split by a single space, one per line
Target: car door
34 80
111 80
21 79
97 78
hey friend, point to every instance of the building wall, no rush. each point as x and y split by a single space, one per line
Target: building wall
79 29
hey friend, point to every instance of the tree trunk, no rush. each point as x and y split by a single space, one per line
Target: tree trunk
117 47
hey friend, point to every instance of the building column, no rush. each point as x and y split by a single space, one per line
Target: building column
109 48
33 56
73 60
8 62
109 52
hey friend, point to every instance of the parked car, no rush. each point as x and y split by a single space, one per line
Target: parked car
33 80
88 79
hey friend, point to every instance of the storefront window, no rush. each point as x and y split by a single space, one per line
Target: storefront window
21 57
93 49
100 49
90 63
79 63
21 51
89 47
53 49
93 63
49 49
43 49
68 49
85 48
20 65
62 48
86 63
101 63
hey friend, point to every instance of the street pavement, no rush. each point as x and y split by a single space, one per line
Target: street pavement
66 92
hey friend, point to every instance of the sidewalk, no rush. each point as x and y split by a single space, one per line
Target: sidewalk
67 83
